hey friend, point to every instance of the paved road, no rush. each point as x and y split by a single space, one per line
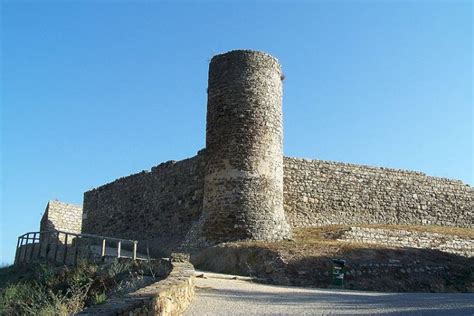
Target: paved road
219 295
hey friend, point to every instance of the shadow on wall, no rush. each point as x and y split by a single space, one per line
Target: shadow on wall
159 247
372 269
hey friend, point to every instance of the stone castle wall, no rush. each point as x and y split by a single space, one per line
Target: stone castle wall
322 192
165 202
157 204
61 216
460 245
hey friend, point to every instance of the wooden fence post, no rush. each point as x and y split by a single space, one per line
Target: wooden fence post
17 252
33 247
103 248
25 248
65 249
48 246
40 245
134 255
56 248
77 249
119 246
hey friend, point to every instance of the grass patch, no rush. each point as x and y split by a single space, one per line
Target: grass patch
322 241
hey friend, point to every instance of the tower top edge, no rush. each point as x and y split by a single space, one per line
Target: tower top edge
243 52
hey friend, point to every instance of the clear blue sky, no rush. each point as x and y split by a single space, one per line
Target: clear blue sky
92 92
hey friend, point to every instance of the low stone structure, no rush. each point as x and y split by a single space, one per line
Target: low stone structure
60 216
459 245
170 296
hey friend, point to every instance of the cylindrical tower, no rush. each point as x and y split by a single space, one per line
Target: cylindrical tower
243 186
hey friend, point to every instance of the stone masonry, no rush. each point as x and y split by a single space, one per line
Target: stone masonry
459 245
316 193
322 192
241 187
158 206
61 216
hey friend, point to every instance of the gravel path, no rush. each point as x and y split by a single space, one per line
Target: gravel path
219 295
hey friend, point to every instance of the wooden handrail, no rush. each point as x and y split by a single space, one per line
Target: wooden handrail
37 238
81 235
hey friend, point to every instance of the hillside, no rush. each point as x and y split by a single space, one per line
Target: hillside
307 260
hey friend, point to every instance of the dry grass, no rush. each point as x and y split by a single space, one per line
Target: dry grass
308 242
461 232
322 241
313 234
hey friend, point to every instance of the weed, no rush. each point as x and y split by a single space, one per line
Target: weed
100 298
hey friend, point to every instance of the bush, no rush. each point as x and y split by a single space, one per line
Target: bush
100 298
46 292
40 289
31 299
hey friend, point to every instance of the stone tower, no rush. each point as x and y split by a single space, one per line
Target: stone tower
243 185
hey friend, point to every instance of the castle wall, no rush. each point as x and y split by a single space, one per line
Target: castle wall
321 192
160 204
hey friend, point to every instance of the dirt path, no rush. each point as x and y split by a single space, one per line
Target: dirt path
220 295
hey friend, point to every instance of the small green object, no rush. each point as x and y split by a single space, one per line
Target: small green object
338 276
338 272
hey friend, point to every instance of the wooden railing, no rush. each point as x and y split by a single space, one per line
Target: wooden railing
59 246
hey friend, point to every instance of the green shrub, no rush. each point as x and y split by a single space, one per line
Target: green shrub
100 298
46 290
40 289
31 299
117 268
